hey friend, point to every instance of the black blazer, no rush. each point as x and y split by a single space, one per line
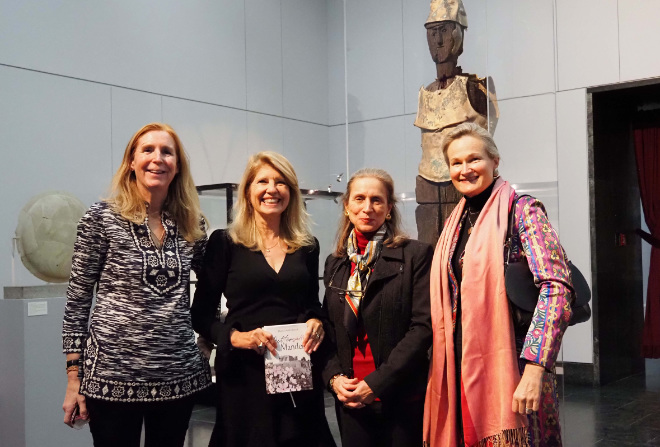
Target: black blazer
396 311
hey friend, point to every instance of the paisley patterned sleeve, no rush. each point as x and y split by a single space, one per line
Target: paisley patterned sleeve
89 254
539 243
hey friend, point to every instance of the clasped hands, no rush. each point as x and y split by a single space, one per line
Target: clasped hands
353 393
259 340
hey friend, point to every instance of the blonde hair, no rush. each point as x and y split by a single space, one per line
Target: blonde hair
395 236
472 130
294 222
182 201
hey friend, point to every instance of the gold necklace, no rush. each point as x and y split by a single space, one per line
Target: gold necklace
276 243
470 220
157 240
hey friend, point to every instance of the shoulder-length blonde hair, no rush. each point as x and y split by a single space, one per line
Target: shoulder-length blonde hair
395 236
294 222
182 201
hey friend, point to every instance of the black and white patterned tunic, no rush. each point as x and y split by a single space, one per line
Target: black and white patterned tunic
140 346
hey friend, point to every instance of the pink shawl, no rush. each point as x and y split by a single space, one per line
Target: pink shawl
489 364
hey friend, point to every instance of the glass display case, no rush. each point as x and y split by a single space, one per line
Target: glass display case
218 199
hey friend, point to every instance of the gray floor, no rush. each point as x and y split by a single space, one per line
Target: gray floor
622 414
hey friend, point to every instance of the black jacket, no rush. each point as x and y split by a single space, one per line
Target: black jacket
396 312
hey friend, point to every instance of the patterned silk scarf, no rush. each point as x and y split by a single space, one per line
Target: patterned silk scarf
363 263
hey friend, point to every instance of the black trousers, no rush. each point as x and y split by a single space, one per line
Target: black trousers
116 424
381 424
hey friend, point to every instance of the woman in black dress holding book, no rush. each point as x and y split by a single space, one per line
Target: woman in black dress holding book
266 265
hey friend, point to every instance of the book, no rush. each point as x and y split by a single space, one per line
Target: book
291 369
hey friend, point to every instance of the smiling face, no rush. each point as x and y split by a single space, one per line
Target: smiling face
268 193
155 161
440 38
367 205
470 167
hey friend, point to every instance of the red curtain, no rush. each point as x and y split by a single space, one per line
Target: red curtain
647 150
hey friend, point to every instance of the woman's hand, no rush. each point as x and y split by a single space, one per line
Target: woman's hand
343 388
353 393
258 340
205 346
313 336
527 396
73 399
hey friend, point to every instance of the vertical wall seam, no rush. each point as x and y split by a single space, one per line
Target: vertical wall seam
348 172
555 51
112 146
618 38
282 59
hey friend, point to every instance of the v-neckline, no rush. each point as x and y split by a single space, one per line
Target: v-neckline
277 272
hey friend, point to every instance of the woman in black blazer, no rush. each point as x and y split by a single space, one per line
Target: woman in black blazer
377 299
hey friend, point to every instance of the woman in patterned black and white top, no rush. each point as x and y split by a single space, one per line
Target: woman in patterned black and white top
137 359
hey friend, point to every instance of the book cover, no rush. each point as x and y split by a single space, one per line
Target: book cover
291 369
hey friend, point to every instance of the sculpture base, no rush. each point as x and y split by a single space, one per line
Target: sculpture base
436 201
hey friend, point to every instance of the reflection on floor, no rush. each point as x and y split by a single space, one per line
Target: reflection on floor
622 414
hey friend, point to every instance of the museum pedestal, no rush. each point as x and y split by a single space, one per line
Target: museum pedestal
32 370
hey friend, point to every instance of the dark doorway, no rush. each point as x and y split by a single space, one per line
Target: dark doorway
616 249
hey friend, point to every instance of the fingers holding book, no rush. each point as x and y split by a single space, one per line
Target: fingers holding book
313 336
258 340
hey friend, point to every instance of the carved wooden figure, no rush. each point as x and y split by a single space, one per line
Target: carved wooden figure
453 98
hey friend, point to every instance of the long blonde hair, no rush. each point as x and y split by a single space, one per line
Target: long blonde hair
182 201
395 236
294 222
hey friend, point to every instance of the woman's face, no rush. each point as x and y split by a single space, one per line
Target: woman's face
155 161
367 205
470 167
269 194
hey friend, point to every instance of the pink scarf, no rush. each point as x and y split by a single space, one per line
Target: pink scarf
489 364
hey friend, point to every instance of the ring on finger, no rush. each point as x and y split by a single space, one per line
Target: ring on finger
529 410
260 345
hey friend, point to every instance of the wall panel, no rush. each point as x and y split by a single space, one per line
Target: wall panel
215 139
55 137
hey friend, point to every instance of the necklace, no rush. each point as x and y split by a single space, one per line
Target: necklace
274 245
470 220
153 231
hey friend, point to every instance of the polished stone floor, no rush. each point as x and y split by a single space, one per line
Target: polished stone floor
622 414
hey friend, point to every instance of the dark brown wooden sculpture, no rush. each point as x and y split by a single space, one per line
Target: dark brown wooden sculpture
453 98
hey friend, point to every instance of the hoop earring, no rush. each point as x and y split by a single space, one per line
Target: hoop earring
346 213
388 217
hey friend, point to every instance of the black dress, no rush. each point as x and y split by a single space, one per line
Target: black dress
258 296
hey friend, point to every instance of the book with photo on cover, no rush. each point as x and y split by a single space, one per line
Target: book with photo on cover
291 369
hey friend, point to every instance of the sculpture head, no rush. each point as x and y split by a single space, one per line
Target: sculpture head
444 30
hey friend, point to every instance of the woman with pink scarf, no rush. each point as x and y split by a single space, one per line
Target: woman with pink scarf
490 385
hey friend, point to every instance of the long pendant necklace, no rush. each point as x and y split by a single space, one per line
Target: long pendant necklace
470 220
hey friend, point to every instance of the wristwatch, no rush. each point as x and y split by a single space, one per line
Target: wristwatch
74 362
332 381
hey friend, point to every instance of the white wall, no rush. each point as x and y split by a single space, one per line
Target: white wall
542 56
232 77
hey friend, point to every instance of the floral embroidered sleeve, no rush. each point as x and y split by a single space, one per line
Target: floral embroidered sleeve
88 258
548 263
